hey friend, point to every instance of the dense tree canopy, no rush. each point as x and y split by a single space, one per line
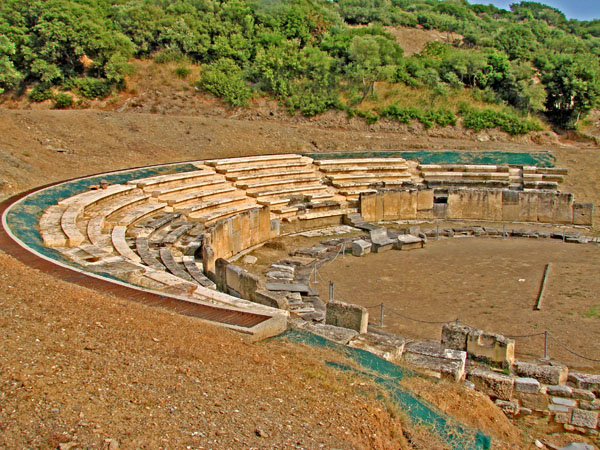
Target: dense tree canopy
311 55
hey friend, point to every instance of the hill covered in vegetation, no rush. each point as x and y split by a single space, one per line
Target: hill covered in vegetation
497 68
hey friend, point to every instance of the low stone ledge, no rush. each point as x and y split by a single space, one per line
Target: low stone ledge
493 384
536 402
430 356
332 333
547 374
527 385
388 347
347 315
585 381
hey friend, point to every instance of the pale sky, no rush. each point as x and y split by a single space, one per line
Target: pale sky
573 9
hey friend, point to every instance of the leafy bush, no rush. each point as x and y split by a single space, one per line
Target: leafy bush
90 88
224 79
169 55
62 100
41 93
182 72
478 120
442 117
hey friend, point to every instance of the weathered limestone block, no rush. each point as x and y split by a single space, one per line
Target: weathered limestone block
559 391
583 418
536 402
583 394
547 374
561 417
368 202
424 200
590 406
491 347
510 206
527 385
583 214
388 347
346 315
408 242
494 384
380 239
454 335
360 247
564 401
336 334
507 407
447 362
407 205
272 299
391 204
585 381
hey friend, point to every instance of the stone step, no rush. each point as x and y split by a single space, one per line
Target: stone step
263 168
373 176
220 213
121 246
166 256
465 176
330 213
368 183
89 198
142 248
212 204
68 223
95 227
463 168
360 162
140 213
123 203
252 160
177 232
187 199
264 185
284 200
374 169
309 189
165 194
170 179
260 175
192 267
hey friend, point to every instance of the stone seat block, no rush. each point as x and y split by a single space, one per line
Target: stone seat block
142 248
197 274
132 217
235 198
121 204
361 247
372 169
166 193
380 239
170 179
121 246
89 198
328 213
68 223
308 189
268 175
166 256
262 168
220 213
359 162
253 161
483 176
264 185
408 242
285 199
95 227
430 356
50 229
388 347
181 201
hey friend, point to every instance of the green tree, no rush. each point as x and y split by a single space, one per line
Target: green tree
9 76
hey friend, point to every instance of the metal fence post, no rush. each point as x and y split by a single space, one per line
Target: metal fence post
381 316
546 345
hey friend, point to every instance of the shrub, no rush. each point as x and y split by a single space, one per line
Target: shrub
62 100
478 120
169 55
40 93
90 88
182 72
224 79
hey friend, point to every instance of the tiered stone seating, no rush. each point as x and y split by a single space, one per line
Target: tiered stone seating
355 176
547 178
273 180
465 175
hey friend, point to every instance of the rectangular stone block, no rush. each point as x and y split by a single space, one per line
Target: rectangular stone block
440 210
407 205
361 247
583 418
527 385
454 335
561 417
547 374
494 384
391 205
491 347
564 401
346 315
583 214
585 381
388 347
559 391
367 206
510 205
537 402
425 200
446 362
558 408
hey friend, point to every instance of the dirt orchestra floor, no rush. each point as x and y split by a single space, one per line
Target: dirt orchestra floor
487 283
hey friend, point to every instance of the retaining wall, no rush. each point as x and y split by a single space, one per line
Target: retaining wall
480 204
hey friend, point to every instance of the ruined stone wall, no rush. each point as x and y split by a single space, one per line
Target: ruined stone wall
478 204
230 236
